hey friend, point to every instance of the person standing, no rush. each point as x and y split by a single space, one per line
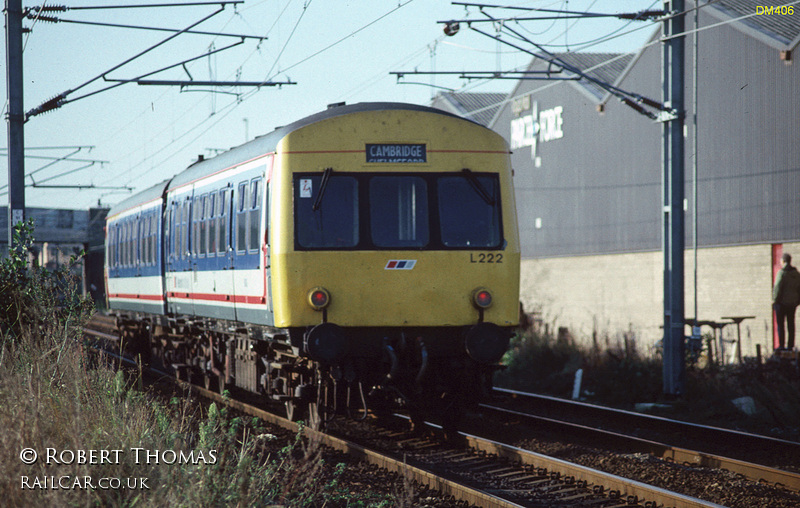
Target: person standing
785 298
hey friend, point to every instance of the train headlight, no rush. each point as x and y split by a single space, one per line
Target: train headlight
319 298
482 298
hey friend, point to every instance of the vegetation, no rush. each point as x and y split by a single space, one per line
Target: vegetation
62 403
619 375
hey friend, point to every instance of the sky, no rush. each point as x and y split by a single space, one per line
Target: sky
130 137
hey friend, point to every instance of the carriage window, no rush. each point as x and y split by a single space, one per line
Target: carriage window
151 234
197 222
223 207
184 229
469 210
167 231
110 251
144 240
137 226
241 217
398 211
211 229
127 243
153 238
254 215
129 226
328 219
202 239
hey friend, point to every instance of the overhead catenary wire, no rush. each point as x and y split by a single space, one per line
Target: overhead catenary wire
469 85
207 123
247 95
187 111
698 6
62 99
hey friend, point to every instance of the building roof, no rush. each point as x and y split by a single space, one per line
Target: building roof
478 107
605 67
781 30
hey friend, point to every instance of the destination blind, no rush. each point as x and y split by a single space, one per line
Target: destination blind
396 153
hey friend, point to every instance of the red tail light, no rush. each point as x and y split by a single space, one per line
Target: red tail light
482 298
319 298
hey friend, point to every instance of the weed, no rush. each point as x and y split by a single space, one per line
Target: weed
60 403
622 377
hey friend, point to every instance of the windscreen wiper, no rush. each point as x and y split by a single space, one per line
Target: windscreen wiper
478 186
326 175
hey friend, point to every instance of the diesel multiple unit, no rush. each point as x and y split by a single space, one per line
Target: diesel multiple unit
364 256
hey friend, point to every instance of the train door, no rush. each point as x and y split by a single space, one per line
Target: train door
249 280
265 246
179 279
223 260
238 248
135 269
196 254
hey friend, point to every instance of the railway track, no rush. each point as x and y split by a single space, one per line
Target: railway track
479 471
712 446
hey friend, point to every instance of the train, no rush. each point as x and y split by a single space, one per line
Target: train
360 260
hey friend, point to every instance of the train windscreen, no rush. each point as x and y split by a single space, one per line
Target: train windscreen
367 211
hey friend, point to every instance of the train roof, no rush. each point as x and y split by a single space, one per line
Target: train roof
260 146
147 195
269 142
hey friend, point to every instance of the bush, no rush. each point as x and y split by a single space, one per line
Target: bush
55 395
36 303
620 376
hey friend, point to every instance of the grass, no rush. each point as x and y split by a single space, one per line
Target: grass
64 404
56 397
619 375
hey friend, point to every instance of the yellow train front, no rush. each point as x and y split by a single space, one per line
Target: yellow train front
393 257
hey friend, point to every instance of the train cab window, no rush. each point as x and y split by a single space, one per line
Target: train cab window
241 217
398 211
469 210
326 216
254 215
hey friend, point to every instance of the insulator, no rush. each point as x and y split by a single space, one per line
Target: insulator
636 107
45 19
451 28
49 105
52 8
651 103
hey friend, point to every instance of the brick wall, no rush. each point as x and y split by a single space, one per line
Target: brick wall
613 295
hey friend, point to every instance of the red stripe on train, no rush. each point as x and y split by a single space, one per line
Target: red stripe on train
215 297
131 296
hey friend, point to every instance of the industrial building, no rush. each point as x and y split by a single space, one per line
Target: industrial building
588 177
60 234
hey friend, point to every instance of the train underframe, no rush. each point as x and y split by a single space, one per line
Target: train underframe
318 372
